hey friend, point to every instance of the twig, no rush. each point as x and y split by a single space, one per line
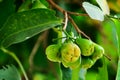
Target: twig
62 10
56 6
35 48
66 21
17 60
77 14
107 57
67 16
58 38
77 29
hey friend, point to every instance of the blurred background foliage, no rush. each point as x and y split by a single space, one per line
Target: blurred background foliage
103 33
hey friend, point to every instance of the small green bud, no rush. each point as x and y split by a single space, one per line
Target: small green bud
70 53
53 53
98 52
86 46
38 4
25 6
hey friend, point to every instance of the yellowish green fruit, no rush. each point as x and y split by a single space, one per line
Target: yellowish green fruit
86 46
76 64
98 52
72 65
53 53
87 63
70 53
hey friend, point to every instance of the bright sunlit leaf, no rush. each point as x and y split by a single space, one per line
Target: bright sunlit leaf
93 11
104 6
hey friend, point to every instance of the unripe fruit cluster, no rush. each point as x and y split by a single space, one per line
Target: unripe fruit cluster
82 53
90 52
67 53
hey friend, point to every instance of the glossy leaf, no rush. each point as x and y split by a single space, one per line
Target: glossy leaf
93 11
117 25
109 40
9 73
24 25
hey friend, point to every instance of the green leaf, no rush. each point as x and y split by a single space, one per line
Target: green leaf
9 73
66 73
117 25
91 75
75 74
79 73
24 25
108 40
118 70
7 7
110 43
103 73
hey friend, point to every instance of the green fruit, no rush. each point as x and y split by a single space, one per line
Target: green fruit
86 46
70 53
87 63
53 53
73 65
98 52
76 64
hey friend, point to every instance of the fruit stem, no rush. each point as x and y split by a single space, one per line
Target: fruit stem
107 57
68 17
58 38
67 35
16 59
